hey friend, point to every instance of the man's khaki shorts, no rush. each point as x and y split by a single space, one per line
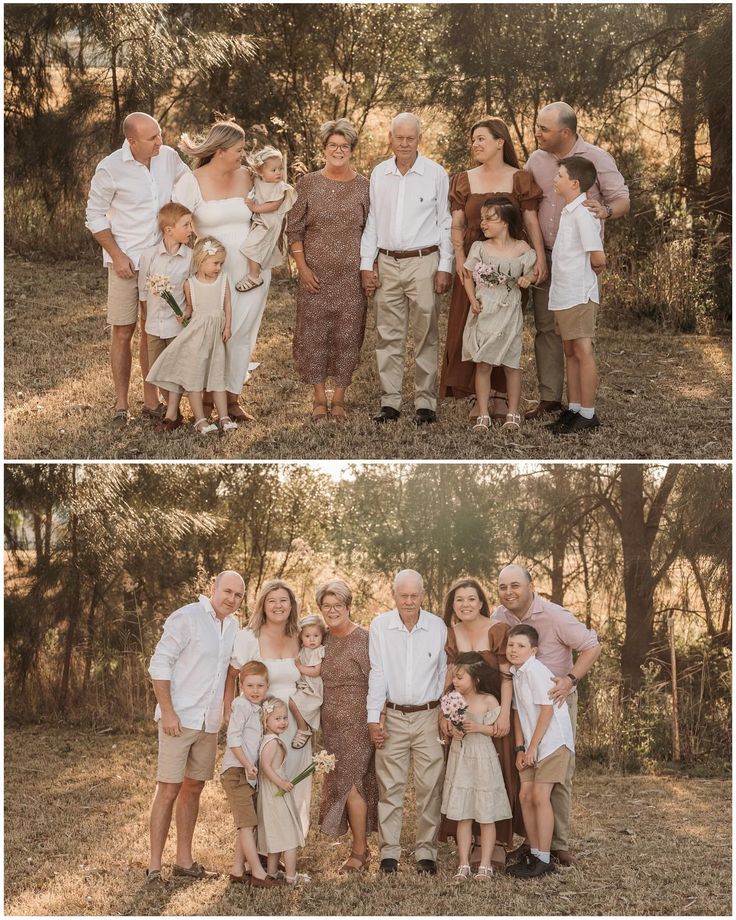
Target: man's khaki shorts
553 769
576 322
240 795
156 346
192 754
122 299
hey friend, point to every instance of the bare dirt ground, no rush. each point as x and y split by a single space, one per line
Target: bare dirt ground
76 807
662 396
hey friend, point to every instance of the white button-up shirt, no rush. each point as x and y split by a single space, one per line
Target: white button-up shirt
125 197
407 668
160 318
194 654
532 683
244 730
408 212
573 280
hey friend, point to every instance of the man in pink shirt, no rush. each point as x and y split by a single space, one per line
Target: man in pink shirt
560 633
608 199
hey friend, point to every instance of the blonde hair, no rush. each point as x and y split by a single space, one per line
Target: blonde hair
258 617
342 127
269 705
203 250
170 214
337 587
253 667
256 160
221 135
314 619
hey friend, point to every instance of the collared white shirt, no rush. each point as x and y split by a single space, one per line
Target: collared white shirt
194 653
244 730
125 197
573 280
407 667
160 318
532 683
408 212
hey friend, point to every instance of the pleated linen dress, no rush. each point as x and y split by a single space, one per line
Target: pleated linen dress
279 826
494 335
474 787
196 359
310 690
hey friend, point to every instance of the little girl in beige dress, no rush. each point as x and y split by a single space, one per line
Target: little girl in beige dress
306 703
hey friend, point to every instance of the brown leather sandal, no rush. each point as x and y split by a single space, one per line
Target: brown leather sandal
341 414
319 411
362 858
238 414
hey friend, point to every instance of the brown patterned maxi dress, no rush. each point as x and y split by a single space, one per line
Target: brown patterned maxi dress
345 731
458 376
494 656
328 218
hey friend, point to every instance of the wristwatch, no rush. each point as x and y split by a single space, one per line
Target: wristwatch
609 211
573 679
519 748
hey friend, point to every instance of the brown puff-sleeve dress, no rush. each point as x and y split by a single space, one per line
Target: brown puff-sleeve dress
345 731
495 656
457 378
328 218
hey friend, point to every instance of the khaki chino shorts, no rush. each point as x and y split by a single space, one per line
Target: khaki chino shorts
240 795
577 322
122 299
553 769
192 754
156 346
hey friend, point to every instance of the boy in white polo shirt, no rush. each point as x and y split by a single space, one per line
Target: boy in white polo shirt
577 258
543 744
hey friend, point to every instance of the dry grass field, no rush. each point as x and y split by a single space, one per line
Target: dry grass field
662 396
75 843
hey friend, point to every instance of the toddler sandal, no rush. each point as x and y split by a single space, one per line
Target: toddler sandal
301 738
482 423
248 284
462 874
484 874
301 878
205 428
512 423
228 424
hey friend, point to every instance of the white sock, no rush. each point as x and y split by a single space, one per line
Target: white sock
587 413
543 856
573 407
534 851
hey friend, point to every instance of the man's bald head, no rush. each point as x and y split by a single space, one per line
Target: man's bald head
229 573
515 589
228 591
515 571
143 136
563 114
138 123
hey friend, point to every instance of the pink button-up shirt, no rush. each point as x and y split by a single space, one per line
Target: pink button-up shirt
543 166
560 632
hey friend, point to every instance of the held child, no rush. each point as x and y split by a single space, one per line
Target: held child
195 361
498 267
306 703
474 789
239 772
544 746
279 828
271 202
577 259
170 259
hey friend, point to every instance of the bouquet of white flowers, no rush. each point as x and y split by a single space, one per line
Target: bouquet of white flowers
322 762
160 285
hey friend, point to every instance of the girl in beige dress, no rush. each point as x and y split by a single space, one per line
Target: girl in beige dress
195 361
279 829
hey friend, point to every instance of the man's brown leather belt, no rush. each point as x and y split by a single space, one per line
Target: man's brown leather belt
433 705
411 254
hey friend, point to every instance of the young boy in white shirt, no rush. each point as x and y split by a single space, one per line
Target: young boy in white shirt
543 744
577 259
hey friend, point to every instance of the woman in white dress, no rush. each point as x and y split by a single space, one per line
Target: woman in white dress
272 636
215 193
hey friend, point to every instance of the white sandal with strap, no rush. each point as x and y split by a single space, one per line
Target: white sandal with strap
300 738
482 423
228 424
462 874
484 873
204 427
512 423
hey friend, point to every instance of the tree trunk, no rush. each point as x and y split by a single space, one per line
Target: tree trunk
73 597
689 111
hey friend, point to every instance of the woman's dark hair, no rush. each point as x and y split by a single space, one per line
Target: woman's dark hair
497 127
485 678
449 614
509 212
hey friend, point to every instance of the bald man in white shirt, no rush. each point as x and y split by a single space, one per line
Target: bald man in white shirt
128 189
406 259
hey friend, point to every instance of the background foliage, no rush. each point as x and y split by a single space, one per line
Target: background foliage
98 556
651 82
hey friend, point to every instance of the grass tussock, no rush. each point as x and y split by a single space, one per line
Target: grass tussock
76 808
662 396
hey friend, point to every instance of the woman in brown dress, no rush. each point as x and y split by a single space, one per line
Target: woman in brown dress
324 231
467 616
350 792
498 173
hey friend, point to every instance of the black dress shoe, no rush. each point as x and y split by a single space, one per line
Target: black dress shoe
425 417
562 421
388 866
580 425
535 869
387 414
426 867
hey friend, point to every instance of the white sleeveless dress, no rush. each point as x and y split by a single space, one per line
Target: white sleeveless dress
228 220
279 827
196 359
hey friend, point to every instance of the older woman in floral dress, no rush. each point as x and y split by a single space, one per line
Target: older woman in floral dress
350 793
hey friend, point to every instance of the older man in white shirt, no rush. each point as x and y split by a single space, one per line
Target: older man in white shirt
188 670
405 682
406 259
128 189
